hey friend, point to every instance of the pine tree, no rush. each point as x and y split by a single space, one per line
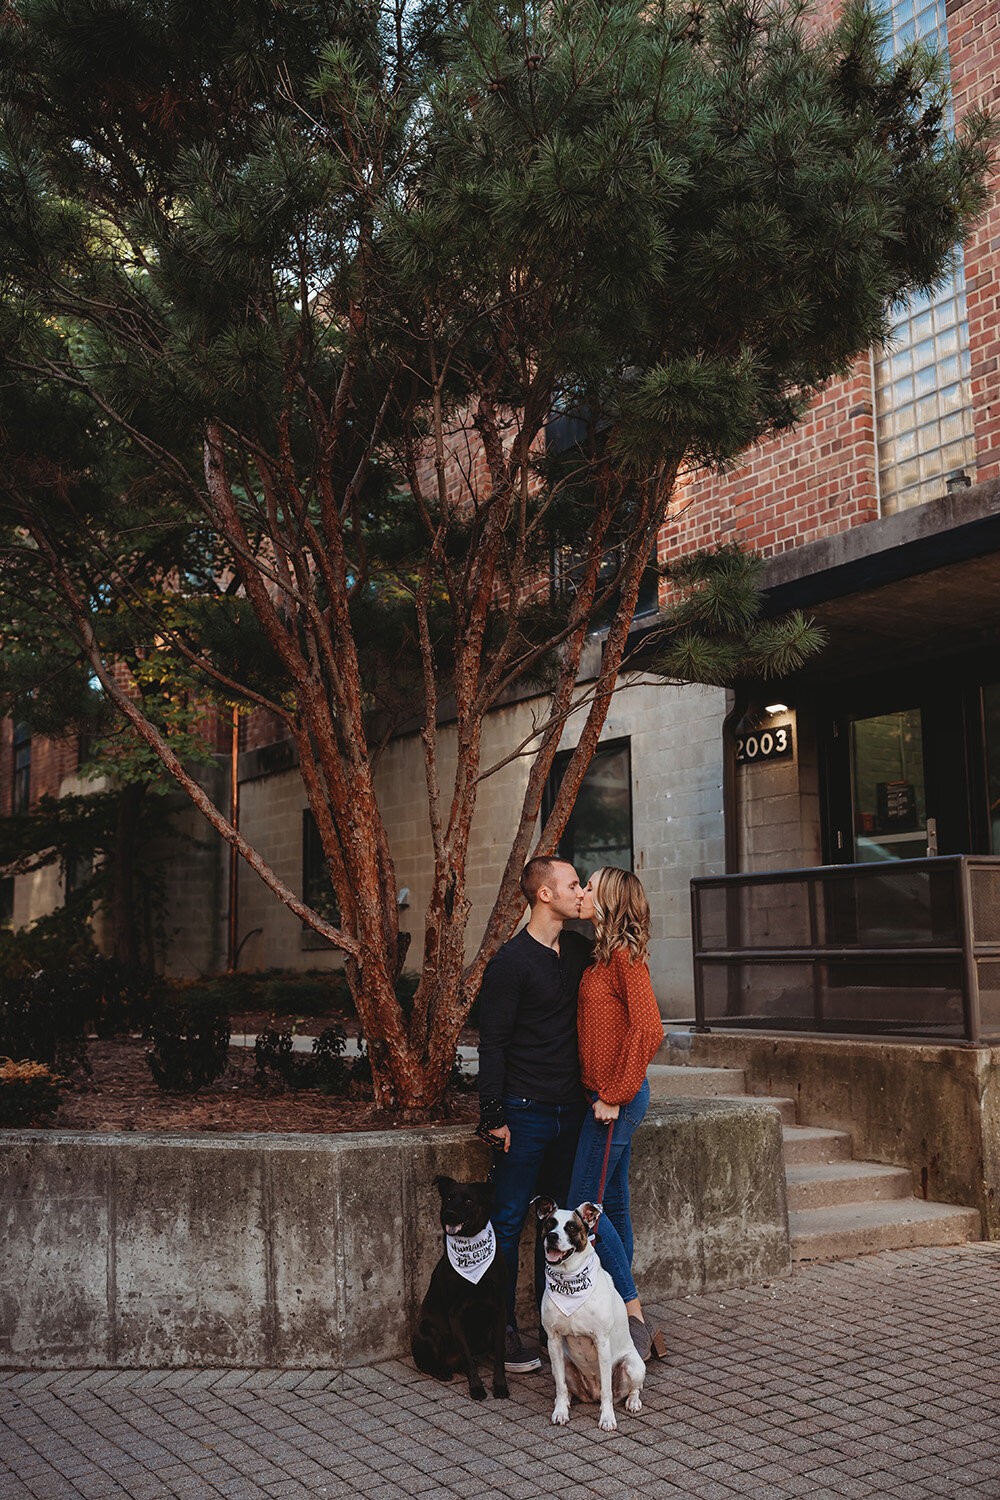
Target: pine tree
270 271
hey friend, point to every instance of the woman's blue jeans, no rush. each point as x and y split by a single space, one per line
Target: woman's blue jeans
614 1228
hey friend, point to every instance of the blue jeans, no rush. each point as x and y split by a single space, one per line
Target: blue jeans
614 1230
543 1141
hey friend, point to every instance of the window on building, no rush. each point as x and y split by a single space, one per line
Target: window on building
922 394
21 790
599 831
7 902
317 890
78 870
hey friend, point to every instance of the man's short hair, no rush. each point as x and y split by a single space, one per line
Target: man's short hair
536 873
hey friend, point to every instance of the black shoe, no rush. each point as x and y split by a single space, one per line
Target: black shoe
520 1357
640 1337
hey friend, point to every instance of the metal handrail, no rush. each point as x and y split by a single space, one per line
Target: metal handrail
966 953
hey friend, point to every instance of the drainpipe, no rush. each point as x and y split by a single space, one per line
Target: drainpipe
234 859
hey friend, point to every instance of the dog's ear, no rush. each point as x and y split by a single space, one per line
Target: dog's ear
444 1185
543 1206
590 1213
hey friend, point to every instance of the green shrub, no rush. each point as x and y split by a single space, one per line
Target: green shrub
125 997
46 1016
59 941
29 1093
190 1041
324 1068
312 994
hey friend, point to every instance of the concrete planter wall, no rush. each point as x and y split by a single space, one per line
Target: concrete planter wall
306 1250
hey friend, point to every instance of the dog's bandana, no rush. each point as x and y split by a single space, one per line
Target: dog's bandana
570 1292
472 1255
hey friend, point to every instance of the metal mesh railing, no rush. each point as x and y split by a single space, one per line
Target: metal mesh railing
901 948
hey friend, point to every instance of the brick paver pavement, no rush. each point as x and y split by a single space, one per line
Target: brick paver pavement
877 1376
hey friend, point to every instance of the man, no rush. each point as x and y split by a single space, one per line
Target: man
530 1096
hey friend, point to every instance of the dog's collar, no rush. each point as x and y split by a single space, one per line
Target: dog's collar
472 1255
571 1291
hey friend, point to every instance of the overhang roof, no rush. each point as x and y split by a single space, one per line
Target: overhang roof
924 583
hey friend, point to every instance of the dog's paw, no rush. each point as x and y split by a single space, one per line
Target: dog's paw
606 1421
501 1390
477 1392
560 1414
634 1403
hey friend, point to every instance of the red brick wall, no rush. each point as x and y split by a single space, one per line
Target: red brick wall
51 761
811 483
974 48
822 478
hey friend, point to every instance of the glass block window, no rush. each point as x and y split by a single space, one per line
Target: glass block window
922 394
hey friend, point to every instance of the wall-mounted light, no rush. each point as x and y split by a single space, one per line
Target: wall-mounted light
403 899
959 480
776 708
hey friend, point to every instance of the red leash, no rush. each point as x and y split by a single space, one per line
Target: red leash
604 1177
604 1167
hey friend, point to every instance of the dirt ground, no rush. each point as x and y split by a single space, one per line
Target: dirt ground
120 1094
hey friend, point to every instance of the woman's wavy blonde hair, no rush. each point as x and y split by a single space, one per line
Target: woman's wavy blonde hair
621 914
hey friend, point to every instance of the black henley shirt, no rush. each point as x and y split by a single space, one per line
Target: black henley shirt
527 1023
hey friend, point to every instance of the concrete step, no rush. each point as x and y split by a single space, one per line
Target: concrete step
858 1229
667 1082
812 1143
823 1184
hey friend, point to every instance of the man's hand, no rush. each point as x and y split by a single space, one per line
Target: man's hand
605 1113
498 1137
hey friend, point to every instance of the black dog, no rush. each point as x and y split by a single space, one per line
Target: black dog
464 1314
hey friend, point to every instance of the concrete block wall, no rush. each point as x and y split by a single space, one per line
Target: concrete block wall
676 738
778 804
301 1251
196 880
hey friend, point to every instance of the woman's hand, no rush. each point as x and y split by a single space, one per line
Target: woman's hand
605 1113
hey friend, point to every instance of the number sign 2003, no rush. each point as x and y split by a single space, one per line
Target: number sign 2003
764 744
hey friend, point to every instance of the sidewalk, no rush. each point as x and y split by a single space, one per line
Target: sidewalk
878 1376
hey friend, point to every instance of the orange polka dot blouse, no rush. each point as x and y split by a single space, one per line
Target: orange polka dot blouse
619 1026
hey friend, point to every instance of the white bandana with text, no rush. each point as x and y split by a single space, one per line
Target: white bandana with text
472 1255
570 1292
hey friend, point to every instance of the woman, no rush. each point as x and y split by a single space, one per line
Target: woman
620 1030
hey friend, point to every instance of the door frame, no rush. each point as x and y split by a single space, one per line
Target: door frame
949 696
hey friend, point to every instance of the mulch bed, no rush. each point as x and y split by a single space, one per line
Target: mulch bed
119 1094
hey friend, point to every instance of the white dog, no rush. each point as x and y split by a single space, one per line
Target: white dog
590 1347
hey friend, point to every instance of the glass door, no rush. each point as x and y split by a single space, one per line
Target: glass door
888 793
